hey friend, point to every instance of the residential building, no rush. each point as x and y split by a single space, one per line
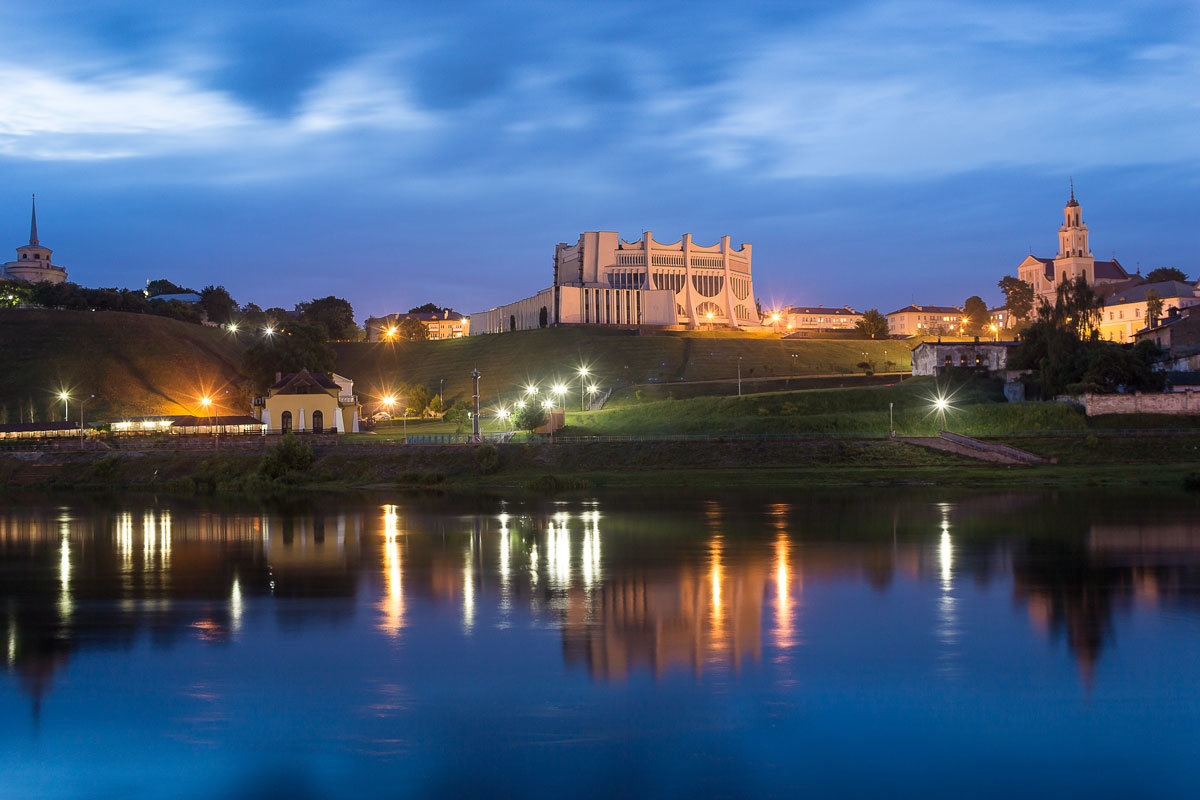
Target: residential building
33 260
933 358
812 318
914 320
1074 259
445 324
604 280
1000 319
1178 333
309 402
1125 311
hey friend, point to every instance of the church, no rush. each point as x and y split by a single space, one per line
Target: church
1074 259
33 260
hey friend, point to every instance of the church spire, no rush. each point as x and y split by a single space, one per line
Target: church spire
1072 204
33 240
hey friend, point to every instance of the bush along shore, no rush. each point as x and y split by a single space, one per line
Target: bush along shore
1167 460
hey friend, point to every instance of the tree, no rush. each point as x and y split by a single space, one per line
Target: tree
334 313
217 304
164 286
976 313
1154 307
416 399
1076 308
294 347
428 308
1166 274
530 416
15 293
873 324
543 318
1018 297
410 329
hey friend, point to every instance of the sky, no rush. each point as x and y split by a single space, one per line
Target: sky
875 153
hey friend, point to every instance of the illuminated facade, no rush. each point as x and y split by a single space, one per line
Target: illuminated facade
33 260
917 320
1074 259
445 324
306 401
603 280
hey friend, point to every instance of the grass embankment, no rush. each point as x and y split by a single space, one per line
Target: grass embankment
135 364
796 465
509 361
977 408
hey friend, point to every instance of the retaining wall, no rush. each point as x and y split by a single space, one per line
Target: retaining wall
1166 403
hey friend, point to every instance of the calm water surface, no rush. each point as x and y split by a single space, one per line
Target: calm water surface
918 643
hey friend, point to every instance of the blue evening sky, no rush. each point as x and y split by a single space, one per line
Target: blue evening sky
875 153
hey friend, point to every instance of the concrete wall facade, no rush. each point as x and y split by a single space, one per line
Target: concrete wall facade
1168 403
579 305
930 358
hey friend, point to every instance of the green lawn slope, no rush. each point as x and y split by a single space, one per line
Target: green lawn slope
510 360
135 364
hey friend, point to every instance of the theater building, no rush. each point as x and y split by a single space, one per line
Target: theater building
602 279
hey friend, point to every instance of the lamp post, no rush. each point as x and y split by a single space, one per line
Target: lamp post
739 376
206 402
66 409
82 400
891 422
583 373
475 405
441 400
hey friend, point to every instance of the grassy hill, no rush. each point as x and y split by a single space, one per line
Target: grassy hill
135 364
977 408
613 357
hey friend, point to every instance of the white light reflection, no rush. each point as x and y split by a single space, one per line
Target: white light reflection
235 606
12 642
468 594
392 605
125 541
947 627
505 556
65 607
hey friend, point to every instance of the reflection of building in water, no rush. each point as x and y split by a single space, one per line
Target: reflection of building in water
685 619
105 579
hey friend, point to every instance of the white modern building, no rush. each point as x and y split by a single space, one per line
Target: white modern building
33 260
604 280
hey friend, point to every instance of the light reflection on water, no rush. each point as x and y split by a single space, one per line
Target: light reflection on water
784 606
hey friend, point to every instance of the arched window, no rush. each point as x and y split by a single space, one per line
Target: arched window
318 422
285 421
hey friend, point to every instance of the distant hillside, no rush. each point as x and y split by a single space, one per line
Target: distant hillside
135 364
614 357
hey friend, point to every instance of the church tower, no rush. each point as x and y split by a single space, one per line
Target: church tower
33 260
1074 257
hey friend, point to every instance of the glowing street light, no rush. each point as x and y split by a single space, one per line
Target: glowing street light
232 327
269 330
559 389
548 404
391 332
583 373
65 398
995 332
531 390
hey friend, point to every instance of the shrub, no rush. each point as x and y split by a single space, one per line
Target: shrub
555 483
487 458
287 456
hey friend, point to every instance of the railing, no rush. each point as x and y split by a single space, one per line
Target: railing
348 399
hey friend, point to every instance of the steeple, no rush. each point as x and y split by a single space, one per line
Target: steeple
33 240
1072 204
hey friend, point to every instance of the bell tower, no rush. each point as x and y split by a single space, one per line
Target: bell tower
33 259
1074 256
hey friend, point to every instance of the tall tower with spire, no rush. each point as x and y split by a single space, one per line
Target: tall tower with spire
1074 258
33 260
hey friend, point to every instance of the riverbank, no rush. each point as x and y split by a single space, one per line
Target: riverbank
1162 460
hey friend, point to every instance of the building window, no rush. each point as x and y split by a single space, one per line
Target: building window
318 420
285 421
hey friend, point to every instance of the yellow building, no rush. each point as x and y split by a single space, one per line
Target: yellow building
309 402
1125 313
445 324
917 320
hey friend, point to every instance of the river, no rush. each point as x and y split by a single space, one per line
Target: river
901 642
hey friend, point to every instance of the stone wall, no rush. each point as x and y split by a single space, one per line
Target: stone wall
1168 403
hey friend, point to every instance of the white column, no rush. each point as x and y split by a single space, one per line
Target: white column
730 297
300 427
687 277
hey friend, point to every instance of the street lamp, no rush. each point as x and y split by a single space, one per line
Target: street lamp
82 400
739 376
583 373
995 332
66 409
390 333
531 390
269 330
232 327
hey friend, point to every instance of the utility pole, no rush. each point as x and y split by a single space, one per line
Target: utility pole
475 404
739 376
